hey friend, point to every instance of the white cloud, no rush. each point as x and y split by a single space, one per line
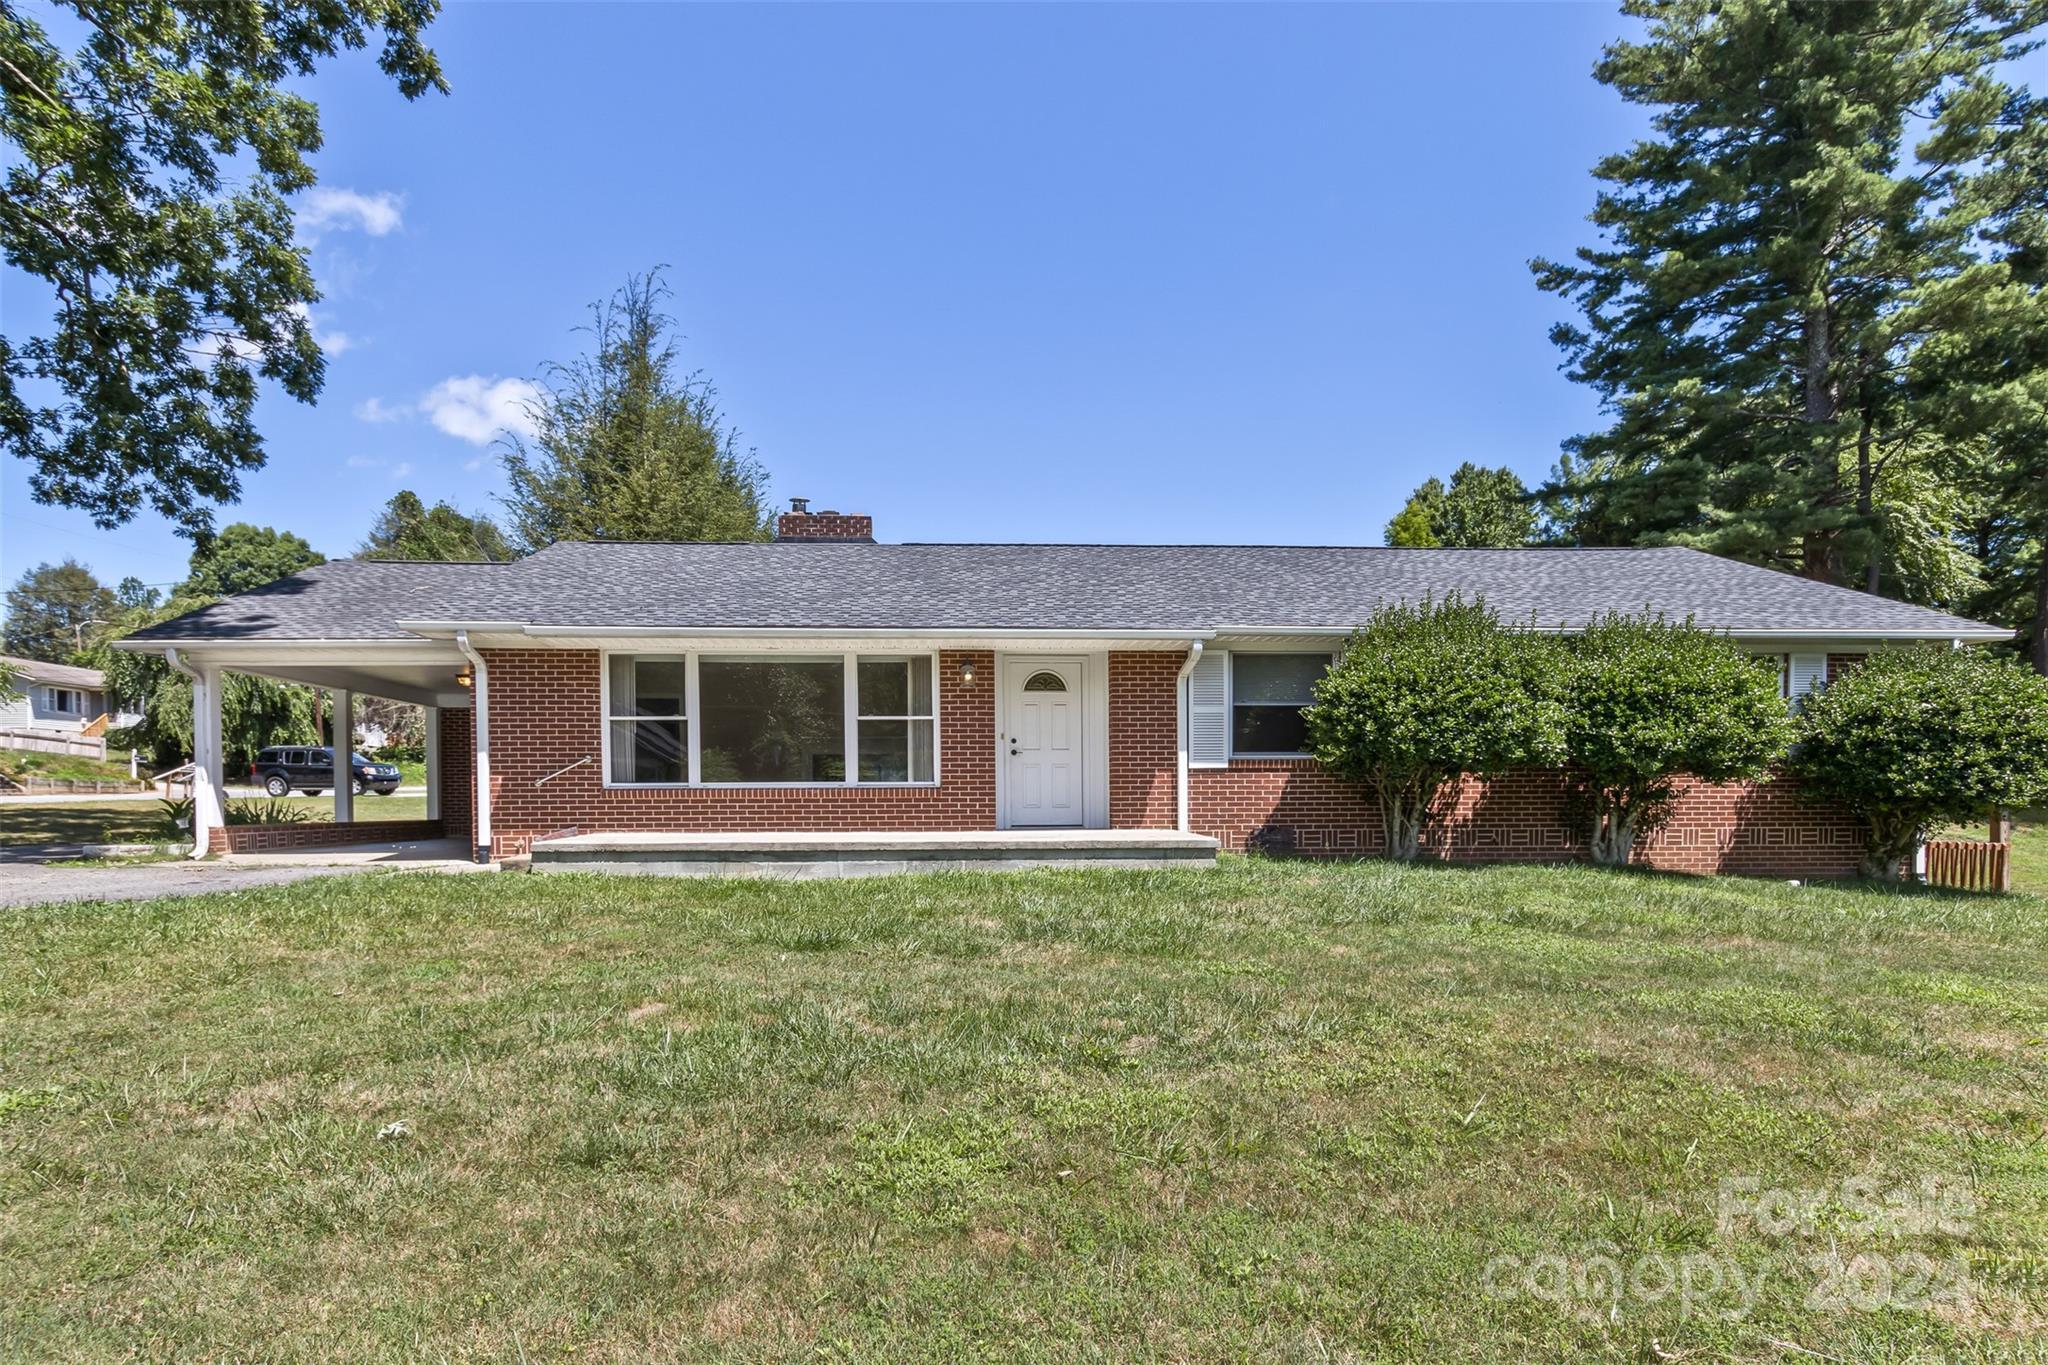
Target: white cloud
364 462
471 466
479 409
401 469
377 410
376 214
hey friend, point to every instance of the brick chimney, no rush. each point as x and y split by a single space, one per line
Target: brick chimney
801 523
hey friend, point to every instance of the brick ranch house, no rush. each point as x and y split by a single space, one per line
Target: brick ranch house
827 685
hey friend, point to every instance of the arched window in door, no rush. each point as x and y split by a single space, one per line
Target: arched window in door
1045 681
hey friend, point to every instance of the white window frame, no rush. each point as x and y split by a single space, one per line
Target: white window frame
1230 701
606 715
854 715
58 698
693 727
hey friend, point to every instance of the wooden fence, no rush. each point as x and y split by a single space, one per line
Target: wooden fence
1969 864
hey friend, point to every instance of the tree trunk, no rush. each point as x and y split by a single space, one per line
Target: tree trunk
1818 548
2038 646
1866 504
1884 857
1614 832
1401 812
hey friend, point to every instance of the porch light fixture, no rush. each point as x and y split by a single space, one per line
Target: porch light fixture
967 672
465 678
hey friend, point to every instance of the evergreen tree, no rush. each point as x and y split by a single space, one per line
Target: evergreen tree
51 609
1481 509
408 529
1773 315
626 448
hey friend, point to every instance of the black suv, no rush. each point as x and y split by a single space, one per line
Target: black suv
311 770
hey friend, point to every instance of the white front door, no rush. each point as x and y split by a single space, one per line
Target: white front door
1043 741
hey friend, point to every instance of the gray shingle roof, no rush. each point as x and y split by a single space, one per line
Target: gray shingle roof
1046 587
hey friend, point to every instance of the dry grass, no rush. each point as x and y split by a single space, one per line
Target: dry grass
1274 1111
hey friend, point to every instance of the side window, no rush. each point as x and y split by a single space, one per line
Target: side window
1267 694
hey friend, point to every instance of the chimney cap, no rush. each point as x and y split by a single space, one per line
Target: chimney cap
799 505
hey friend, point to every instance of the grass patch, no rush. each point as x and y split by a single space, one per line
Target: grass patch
1277 1110
20 763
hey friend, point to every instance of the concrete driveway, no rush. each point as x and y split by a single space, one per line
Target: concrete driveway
34 876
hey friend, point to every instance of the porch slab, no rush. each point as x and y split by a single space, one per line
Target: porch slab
799 853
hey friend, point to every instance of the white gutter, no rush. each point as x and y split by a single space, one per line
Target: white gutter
801 632
1180 705
1980 633
483 746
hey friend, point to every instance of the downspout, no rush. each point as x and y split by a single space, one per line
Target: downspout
483 745
1180 702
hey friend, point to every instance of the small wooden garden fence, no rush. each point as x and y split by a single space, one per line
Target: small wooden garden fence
1969 864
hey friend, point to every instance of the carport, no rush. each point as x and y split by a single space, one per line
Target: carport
435 674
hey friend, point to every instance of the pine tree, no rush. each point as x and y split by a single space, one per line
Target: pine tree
626 448
1772 315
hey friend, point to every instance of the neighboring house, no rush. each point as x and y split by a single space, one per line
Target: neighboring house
59 709
827 684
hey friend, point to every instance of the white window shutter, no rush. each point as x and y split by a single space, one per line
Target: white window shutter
1209 711
1806 673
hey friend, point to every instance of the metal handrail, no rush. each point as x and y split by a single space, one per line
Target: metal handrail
564 768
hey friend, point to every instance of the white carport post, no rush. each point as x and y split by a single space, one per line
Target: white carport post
344 723
208 814
433 762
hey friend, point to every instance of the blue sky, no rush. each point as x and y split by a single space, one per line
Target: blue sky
987 273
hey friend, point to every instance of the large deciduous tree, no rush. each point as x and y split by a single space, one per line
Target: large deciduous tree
1651 701
1789 261
1913 739
1480 509
242 557
149 164
1427 693
51 609
627 447
409 529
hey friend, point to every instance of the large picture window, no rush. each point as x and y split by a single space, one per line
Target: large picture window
773 720
1267 694
757 719
649 730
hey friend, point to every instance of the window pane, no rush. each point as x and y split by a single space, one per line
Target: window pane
895 751
772 721
649 751
896 687
1268 730
1267 679
884 687
646 687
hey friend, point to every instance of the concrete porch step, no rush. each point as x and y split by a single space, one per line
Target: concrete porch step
822 854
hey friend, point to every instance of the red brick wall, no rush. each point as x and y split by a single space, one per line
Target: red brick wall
1763 828
1837 663
318 834
458 771
1144 741
545 708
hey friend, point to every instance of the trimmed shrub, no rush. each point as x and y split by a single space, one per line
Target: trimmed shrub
1651 701
1425 694
1912 739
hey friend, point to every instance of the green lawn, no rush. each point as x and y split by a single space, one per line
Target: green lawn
122 822
18 764
1275 1111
